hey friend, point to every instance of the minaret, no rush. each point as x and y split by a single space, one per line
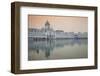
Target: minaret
47 25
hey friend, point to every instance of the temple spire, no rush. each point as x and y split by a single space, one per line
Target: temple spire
47 25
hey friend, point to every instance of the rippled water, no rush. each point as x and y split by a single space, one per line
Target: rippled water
57 49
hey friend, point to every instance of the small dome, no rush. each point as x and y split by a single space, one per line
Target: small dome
47 23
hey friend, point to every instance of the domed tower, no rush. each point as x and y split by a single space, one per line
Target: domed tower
47 25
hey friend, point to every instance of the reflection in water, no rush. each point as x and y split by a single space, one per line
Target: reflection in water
57 49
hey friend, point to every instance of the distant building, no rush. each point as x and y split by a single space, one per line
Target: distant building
48 33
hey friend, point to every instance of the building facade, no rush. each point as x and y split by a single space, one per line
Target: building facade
49 33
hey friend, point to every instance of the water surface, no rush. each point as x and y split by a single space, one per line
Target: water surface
57 49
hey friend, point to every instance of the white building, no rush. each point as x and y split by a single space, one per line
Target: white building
48 33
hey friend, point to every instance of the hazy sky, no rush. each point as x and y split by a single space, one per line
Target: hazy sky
65 23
